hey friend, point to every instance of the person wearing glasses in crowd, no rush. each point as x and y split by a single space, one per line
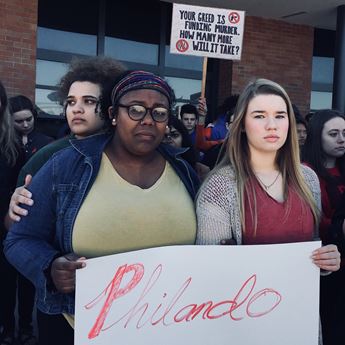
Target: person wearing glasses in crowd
128 170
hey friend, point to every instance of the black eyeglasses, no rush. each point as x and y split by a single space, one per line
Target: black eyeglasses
137 112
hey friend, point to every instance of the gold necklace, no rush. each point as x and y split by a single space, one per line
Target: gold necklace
267 187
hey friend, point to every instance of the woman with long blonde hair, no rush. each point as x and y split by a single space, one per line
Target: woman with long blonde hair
260 182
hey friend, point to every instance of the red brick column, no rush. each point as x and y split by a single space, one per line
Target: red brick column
18 26
274 50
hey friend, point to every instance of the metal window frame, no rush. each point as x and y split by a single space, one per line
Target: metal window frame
160 69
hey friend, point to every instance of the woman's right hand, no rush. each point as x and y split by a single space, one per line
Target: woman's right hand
202 106
20 196
63 271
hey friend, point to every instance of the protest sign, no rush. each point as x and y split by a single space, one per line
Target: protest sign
206 31
200 295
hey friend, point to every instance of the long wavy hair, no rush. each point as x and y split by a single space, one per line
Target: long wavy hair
287 160
8 137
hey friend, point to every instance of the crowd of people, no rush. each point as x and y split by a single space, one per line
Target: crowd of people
228 182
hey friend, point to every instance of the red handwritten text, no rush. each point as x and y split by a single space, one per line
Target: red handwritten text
245 303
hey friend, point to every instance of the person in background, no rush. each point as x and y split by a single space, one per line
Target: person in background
309 116
24 115
203 134
95 74
219 129
193 118
324 151
176 135
189 117
11 160
216 152
301 126
123 170
213 148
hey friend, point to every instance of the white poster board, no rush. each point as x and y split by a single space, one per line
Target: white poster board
207 31
205 295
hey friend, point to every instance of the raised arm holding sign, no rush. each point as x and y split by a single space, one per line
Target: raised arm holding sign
207 32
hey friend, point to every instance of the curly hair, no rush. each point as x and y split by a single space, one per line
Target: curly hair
99 70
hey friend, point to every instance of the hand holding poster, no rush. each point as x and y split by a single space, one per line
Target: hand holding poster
200 295
205 31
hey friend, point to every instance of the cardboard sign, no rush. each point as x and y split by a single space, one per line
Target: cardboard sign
201 295
206 31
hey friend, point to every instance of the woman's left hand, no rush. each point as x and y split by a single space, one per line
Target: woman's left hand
327 258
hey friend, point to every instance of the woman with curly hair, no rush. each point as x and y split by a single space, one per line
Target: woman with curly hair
86 85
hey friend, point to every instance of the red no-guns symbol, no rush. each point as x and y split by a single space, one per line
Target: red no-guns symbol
234 17
182 46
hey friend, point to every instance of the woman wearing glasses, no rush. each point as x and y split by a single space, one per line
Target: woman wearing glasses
110 193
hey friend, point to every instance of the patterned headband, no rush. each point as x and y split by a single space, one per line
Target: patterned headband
141 80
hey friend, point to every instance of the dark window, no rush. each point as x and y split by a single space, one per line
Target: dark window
132 31
68 26
69 15
324 42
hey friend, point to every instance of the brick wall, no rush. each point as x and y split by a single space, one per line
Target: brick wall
274 50
18 26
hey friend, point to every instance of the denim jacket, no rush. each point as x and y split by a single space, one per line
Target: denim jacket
58 190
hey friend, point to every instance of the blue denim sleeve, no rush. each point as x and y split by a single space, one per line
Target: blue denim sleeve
29 245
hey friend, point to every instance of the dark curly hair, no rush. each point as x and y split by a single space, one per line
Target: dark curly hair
99 70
